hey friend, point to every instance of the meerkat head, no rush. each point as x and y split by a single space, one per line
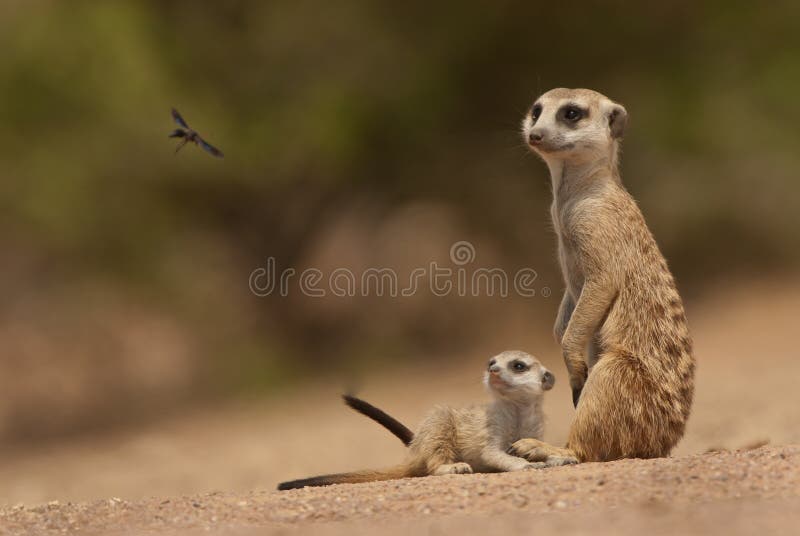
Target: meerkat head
518 376
574 124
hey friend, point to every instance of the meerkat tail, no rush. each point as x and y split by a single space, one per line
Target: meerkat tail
381 417
356 477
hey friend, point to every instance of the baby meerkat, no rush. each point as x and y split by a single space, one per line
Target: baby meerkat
465 440
621 323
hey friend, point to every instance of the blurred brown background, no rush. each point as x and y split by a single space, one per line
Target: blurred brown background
357 135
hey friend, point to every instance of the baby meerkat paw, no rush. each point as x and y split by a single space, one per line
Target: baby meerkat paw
534 465
521 464
459 468
556 461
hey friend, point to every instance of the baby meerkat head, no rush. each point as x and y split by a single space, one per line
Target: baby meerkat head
517 376
567 124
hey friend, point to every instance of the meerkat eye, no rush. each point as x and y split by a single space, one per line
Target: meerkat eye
573 113
519 366
492 362
536 111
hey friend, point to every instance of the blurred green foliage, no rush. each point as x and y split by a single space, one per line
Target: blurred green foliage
323 106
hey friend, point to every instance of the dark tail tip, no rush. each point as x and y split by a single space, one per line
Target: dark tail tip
313 481
381 417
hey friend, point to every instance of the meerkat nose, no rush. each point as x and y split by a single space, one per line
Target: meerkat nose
494 369
548 378
535 138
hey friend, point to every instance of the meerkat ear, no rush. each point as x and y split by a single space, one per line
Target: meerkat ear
617 119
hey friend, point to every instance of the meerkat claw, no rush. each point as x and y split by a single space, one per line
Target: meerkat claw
576 395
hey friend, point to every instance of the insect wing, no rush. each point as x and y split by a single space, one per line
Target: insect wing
178 119
210 148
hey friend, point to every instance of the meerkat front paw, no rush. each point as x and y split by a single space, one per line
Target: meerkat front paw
578 372
459 468
576 395
521 464
533 465
557 461
576 382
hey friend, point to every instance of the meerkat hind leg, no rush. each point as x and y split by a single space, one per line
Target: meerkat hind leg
435 444
623 413
538 451
443 460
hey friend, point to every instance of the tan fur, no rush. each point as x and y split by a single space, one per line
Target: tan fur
621 323
475 438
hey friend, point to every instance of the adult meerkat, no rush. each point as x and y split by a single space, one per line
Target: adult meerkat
621 323
465 440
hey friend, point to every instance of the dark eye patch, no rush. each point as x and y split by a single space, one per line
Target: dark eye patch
492 362
571 113
536 111
518 366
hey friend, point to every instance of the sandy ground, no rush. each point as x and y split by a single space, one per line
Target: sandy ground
632 494
746 395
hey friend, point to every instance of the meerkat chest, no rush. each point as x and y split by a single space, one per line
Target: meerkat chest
509 424
567 251
531 423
